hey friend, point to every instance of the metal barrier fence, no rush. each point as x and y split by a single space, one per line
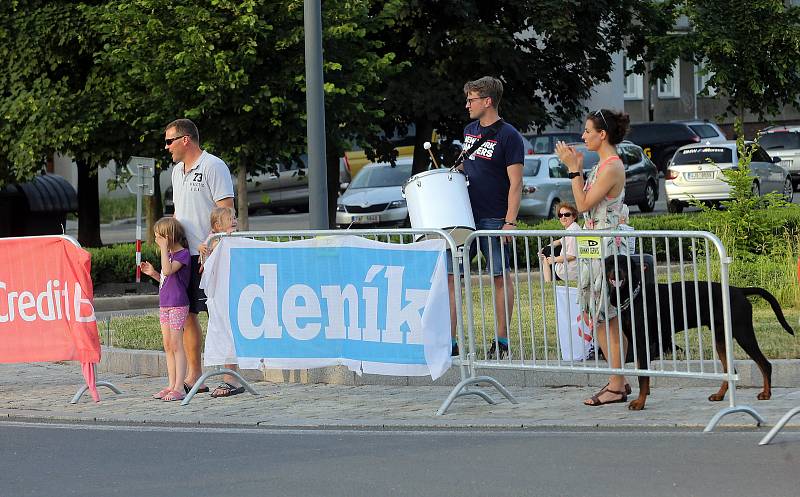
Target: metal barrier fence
398 236
525 308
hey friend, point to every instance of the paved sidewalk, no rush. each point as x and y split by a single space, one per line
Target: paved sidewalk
43 391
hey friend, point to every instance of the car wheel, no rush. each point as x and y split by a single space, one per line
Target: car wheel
675 207
755 190
788 190
278 210
649 202
553 209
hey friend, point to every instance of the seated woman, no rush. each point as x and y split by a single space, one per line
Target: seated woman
565 263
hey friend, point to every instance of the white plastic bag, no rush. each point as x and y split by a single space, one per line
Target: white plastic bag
574 335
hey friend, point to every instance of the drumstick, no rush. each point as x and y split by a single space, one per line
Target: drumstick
427 146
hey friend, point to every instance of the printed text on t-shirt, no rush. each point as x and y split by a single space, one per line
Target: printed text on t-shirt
485 151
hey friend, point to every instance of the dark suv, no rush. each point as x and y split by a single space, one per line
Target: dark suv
660 140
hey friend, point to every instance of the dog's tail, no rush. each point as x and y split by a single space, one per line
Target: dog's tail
754 290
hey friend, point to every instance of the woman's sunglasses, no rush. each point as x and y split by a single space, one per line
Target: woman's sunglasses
564 214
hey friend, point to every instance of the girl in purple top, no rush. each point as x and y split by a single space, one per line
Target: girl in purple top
173 300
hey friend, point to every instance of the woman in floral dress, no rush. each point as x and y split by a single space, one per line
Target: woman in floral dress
601 198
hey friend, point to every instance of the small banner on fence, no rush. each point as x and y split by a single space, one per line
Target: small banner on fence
374 307
46 310
589 247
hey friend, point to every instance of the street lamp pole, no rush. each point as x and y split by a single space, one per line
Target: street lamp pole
315 110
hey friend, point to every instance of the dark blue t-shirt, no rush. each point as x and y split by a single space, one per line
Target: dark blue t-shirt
486 168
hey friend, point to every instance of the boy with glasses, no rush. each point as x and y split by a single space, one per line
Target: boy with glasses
495 188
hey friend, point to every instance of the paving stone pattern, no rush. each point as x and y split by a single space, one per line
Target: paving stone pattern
42 391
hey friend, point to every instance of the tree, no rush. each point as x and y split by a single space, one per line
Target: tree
53 98
549 55
751 51
237 69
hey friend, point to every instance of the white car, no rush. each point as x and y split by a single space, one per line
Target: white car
690 175
375 197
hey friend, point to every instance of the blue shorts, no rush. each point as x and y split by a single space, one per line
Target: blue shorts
489 246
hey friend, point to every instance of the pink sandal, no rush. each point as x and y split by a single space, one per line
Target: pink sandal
173 395
161 393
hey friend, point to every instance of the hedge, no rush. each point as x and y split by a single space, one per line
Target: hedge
116 263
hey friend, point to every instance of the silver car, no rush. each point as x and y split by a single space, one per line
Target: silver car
544 185
784 141
375 198
690 175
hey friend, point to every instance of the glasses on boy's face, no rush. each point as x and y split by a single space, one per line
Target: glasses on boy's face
470 100
564 214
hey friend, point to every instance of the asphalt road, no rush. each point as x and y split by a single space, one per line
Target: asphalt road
48 460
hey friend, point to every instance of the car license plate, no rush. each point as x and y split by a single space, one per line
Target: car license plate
700 175
366 219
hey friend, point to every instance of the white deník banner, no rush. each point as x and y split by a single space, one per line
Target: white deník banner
374 307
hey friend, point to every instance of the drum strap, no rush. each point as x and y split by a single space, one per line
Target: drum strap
490 132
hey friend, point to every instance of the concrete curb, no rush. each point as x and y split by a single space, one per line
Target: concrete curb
125 303
785 373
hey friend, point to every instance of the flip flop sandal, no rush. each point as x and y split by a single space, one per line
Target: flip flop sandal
225 389
161 393
173 395
597 402
187 387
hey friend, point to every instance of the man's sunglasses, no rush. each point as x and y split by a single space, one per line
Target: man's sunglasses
564 214
169 141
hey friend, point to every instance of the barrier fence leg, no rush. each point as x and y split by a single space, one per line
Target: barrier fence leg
779 426
82 390
730 410
217 372
462 389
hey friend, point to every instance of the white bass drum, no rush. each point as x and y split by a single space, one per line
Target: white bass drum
438 199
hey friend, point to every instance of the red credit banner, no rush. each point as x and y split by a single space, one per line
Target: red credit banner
46 302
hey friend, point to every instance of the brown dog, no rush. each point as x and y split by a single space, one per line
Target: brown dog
741 319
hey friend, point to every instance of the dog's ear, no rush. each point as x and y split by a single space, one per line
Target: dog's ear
608 264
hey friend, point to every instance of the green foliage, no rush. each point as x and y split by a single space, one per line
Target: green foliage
772 264
750 50
117 263
549 54
114 208
741 224
238 70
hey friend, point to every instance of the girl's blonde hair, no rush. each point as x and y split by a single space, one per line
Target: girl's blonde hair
171 229
221 214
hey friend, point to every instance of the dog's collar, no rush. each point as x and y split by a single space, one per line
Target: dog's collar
627 302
